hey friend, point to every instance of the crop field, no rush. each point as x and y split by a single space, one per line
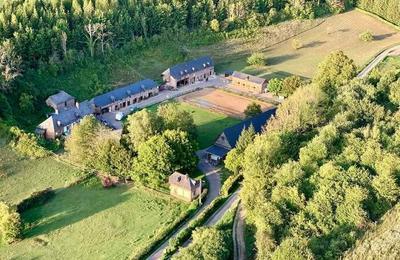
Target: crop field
20 177
319 37
87 221
221 101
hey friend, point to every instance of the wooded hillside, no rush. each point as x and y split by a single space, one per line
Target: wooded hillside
388 10
327 167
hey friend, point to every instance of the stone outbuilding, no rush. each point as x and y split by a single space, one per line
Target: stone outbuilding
248 83
183 187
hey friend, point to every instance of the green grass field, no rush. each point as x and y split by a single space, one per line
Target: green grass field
209 124
20 177
87 221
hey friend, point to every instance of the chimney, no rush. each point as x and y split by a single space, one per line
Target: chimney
58 123
77 105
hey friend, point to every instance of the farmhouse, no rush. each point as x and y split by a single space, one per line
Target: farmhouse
248 83
189 72
228 138
68 112
183 187
125 96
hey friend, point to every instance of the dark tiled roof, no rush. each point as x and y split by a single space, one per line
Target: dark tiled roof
232 133
59 98
217 150
183 181
251 78
124 92
71 115
181 70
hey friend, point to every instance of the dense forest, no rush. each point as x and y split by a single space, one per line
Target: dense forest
40 39
388 10
327 167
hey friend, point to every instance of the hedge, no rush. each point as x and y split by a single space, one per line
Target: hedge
37 198
185 234
230 183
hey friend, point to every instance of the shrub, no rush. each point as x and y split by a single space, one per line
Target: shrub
297 44
36 199
256 59
10 224
27 144
252 109
366 36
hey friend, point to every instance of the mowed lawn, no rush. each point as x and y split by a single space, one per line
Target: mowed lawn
19 177
209 124
87 221
319 38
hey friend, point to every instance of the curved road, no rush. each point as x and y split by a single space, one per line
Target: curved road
214 185
394 51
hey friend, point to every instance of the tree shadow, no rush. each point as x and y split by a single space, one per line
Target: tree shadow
71 205
313 44
383 36
280 59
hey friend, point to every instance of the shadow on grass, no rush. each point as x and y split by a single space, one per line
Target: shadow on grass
313 44
71 205
383 36
282 58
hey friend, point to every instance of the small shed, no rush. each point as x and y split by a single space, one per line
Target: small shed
183 187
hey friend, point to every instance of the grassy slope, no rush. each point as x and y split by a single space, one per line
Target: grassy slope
382 241
89 222
20 177
209 124
339 32
389 64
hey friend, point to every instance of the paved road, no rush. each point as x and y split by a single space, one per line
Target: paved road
394 51
214 182
239 244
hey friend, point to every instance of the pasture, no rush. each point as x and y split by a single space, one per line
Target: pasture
221 101
318 39
19 177
87 221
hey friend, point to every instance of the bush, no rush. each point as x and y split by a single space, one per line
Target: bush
297 44
275 86
37 198
26 144
366 36
256 59
10 224
252 110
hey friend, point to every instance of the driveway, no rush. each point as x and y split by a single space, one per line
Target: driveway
214 185
162 96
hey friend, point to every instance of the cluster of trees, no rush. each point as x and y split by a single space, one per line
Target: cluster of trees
326 167
284 87
27 144
155 144
389 10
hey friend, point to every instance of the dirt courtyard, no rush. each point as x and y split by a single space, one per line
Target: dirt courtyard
221 101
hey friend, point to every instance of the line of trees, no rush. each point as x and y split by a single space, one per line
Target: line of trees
155 144
388 10
326 167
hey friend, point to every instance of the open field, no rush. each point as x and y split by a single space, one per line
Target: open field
209 124
20 177
221 101
87 221
338 32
